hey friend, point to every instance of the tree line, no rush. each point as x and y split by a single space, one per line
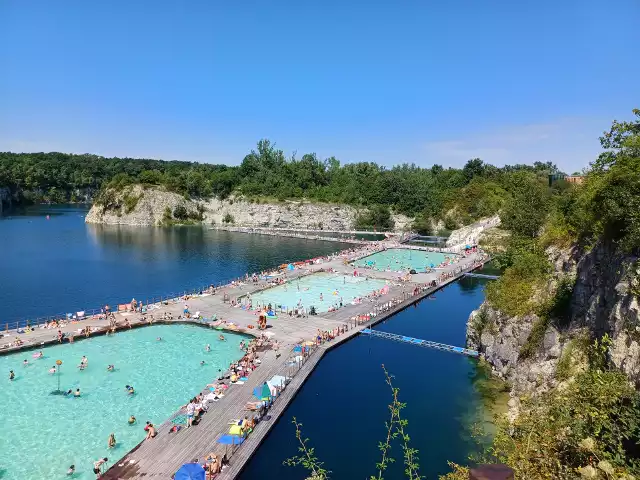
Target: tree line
457 195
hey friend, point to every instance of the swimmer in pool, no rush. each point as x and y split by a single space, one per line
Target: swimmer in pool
159 339
25 363
52 370
132 420
110 368
130 390
202 363
112 441
11 375
67 393
321 298
221 337
72 470
208 348
77 393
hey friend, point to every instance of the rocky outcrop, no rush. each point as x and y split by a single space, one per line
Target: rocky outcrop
471 233
136 205
501 338
604 301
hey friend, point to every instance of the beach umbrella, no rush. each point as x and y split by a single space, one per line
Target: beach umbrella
230 440
297 349
290 266
190 471
278 380
263 392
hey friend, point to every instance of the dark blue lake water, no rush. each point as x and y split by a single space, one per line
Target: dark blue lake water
64 265
343 405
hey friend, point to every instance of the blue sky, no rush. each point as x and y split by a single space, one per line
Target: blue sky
386 81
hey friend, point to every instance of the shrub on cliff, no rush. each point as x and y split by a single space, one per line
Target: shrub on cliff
377 217
594 423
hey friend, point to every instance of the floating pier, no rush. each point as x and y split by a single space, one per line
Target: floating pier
161 457
419 342
482 275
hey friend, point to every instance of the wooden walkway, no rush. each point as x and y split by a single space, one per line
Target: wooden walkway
162 456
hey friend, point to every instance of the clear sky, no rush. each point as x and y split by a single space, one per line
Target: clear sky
388 81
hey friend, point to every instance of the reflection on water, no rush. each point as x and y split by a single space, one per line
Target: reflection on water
57 265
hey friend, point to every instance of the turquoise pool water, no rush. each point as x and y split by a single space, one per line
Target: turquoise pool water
399 259
307 291
42 434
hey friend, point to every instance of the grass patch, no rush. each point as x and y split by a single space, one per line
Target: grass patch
130 202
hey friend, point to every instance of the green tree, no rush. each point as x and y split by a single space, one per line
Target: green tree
527 208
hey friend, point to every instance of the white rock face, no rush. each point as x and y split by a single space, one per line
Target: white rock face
604 301
289 214
471 233
149 209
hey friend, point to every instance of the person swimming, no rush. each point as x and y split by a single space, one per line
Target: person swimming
208 348
202 363
68 392
221 337
112 441
159 339
72 470
130 390
132 420
11 375
110 368
52 370
76 393
25 363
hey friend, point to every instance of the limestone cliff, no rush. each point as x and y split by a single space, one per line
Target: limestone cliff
604 301
471 234
135 205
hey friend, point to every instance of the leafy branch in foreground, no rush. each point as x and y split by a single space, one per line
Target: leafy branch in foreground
307 457
395 430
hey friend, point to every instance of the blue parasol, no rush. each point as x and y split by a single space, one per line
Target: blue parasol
190 471
231 440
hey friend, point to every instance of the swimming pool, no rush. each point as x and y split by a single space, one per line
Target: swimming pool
402 259
44 434
307 290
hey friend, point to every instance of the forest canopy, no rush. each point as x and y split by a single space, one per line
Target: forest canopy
475 191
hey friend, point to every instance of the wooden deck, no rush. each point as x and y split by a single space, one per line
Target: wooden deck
162 456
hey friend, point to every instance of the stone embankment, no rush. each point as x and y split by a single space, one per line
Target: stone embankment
136 205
